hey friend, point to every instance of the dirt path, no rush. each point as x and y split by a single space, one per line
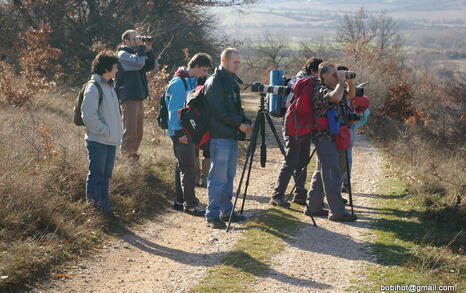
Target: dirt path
332 254
173 253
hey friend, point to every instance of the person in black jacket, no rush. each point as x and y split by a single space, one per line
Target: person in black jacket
135 59
227 124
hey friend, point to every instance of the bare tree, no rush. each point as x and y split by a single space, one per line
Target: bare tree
268 52
272 49
359 28
387 32
362 29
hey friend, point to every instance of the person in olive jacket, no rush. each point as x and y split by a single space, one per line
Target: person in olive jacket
227 124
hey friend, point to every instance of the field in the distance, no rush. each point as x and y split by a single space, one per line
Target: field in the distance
433 32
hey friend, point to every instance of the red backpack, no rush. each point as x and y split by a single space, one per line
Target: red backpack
299 117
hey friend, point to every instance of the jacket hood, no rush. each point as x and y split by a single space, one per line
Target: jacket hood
181 72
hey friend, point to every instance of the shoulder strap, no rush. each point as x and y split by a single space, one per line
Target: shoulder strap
184 83
99 89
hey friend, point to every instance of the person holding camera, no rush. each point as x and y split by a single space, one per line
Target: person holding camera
227 125
185 80
326 178
135 59
297 149
100 112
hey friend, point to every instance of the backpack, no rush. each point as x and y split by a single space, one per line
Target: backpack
77 118
195 117
299 117
162 116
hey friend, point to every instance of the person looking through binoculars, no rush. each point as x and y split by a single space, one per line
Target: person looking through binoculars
326 178
135 58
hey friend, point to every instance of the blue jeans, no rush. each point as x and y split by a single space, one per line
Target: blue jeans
223 158
101 160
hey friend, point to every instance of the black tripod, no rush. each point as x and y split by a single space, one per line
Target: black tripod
259 129
301 172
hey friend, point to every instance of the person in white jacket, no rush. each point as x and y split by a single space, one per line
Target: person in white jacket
102 120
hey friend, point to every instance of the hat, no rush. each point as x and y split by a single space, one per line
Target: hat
360 104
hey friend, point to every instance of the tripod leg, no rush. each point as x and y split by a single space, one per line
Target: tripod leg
349 182
310 214
300 174
243 172
275 134
254 145
263 157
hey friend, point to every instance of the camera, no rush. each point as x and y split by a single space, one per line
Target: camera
146 39
350 75
359 91
257 87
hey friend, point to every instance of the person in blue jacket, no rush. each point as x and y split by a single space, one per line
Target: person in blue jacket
185 80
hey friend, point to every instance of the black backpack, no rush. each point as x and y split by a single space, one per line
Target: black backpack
162 116
195 117
77 118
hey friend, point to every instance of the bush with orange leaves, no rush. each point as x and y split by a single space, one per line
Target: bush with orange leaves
157 81
38 66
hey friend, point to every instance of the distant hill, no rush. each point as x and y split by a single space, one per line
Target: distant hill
308 18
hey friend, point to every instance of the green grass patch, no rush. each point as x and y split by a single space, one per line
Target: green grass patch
252 254
410 248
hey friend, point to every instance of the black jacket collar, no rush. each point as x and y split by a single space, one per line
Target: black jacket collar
227 75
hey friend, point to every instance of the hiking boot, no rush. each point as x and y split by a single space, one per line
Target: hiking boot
344 218
195 211
279 201
299 199
216 223
321 213
235 218
178 206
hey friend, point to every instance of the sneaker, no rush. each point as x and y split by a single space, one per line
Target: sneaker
344 218
235 218
216 223
279 201
178 206
299 199
195 211
321 213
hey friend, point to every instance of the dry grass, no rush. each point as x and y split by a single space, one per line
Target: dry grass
44 219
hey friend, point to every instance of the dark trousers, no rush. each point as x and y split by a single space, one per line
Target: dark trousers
185 173
297 151
101 160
